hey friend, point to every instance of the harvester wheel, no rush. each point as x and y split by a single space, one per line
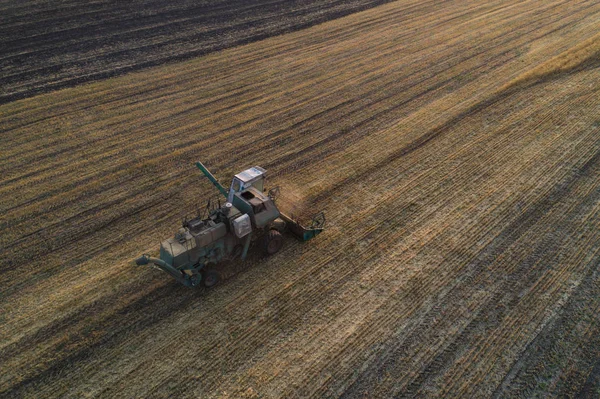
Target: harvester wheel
273 242
211 278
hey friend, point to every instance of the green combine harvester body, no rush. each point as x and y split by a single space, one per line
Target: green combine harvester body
247 216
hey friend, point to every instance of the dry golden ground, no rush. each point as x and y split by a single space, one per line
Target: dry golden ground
455 147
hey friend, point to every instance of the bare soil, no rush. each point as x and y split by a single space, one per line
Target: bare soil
48 45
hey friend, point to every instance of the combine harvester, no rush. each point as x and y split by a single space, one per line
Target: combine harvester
248 216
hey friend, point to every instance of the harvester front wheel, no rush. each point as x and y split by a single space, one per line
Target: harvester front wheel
273 242
211 278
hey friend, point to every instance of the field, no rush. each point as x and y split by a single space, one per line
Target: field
454 147
48 46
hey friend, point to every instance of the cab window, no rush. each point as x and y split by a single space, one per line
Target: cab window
236 185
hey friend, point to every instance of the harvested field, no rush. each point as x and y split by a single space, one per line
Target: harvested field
455 148
48 46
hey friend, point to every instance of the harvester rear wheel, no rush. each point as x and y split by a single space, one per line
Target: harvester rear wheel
273 242
211 278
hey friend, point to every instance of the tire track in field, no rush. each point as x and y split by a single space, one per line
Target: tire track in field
549 346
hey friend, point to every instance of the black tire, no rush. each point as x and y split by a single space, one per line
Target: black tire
211 278
273 242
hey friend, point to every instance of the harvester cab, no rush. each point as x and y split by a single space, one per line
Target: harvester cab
248 216
253 177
